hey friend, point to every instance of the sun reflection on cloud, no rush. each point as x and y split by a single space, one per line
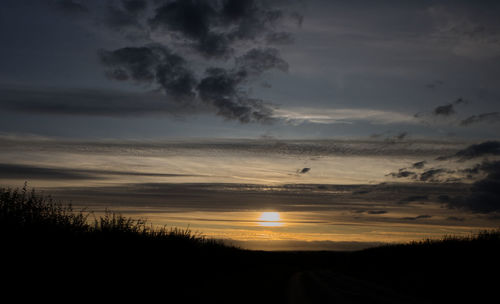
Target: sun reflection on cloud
270 219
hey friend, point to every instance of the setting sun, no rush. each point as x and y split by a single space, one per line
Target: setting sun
270 219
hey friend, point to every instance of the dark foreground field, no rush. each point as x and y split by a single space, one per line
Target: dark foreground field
51 253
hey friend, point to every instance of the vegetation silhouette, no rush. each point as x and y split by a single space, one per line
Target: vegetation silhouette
56 253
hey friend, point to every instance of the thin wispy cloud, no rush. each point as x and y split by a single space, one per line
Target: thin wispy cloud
346 116
493 117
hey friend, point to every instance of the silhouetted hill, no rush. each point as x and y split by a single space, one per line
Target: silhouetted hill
51 252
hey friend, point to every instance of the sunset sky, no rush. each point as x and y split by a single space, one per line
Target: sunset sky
359 122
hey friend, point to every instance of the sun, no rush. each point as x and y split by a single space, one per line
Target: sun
270 219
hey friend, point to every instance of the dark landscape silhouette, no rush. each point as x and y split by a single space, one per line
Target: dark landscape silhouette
53 251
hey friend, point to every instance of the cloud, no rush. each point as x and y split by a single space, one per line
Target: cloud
445 110
303 170
299 115
93 102
377 212
419 217
220 34
218 197
487 148
213 27
26 172
29 172
439 175
434 175
151 64
493 117
206 53
402 174
467 28
221 89
456 219
484 194
259 147
440 112
401 135
419 165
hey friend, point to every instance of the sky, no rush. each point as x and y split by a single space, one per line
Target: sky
190 107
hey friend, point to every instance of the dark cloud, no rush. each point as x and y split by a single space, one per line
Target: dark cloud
402 174
440 112
430 175
484 194
213 27
456 219
419 165
90 102
192 20
29 172
377 212
303 170
26 172
401 135
221 89
230 37
440 175
152 64
393 139
493 117
487 148
434 175
448 109
419 217
445 110
212 30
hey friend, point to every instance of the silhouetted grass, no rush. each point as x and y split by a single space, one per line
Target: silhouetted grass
58 251
26 213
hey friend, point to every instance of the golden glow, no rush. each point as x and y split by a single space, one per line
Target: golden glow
270 219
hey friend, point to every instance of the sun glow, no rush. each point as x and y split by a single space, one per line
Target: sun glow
270 219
